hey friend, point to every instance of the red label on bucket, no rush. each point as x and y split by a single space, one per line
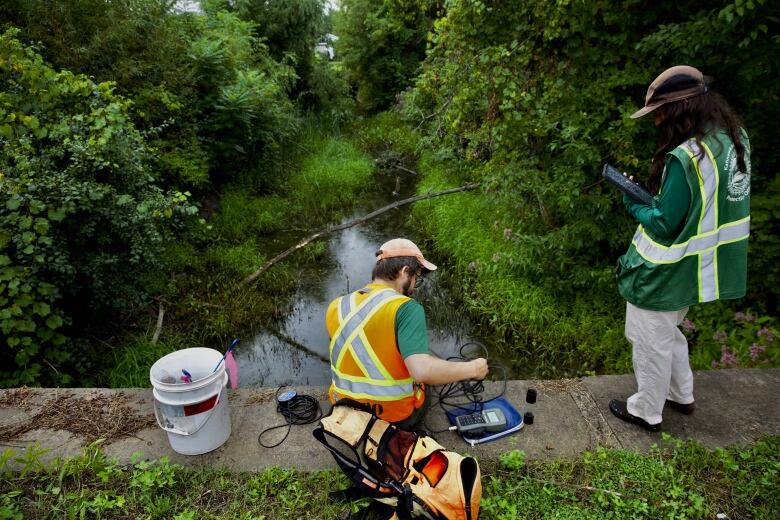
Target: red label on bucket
204 406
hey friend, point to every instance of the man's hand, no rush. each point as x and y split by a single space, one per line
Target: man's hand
431 370
480 367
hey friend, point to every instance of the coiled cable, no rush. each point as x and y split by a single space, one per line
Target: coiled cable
465 395
299 410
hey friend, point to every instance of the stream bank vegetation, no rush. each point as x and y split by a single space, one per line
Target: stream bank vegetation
675 479
530 100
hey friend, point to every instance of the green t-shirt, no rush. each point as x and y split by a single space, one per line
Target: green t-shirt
410 329
665 218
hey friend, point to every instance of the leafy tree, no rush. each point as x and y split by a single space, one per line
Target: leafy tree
290 29
381 44
80 215
206 92
243 101
143 48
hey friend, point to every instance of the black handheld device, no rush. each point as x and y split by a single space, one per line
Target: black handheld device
626 185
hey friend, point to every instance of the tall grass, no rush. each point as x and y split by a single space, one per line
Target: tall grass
329 179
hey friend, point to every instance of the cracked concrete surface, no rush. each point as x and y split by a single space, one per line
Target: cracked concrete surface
571 416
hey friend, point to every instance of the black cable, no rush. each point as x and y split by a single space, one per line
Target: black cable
464 395
299 410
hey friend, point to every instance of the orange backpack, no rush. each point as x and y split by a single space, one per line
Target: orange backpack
409 472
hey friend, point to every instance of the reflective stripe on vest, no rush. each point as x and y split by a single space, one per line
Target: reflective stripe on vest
709 235
350 336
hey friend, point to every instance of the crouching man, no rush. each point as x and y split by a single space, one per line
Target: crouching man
379 342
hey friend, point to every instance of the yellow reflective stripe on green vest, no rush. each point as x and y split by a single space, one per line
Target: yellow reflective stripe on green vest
350 336
657 253
709 236
707 173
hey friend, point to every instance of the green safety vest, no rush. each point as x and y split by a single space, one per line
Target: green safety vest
707 260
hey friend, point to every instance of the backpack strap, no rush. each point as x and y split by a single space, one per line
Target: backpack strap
356 472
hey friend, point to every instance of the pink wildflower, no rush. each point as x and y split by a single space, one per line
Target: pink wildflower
742 316
756 350
727 357
720 336
714 364
507 233
688 325
766 334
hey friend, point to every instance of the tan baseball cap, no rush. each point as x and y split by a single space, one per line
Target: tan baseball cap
402 247
673 84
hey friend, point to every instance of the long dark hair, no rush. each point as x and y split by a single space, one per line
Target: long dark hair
694 117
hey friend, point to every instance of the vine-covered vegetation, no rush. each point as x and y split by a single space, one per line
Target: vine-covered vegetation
532 99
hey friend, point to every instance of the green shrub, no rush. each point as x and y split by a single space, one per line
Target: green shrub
80 216
242 96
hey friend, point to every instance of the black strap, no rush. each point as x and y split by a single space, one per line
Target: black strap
406 504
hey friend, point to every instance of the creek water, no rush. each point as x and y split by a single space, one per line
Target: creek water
294 351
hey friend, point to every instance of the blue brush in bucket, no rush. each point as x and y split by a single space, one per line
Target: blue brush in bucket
232 344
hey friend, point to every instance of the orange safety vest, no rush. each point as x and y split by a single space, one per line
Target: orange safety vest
365 362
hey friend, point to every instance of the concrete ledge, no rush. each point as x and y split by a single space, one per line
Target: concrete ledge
733 407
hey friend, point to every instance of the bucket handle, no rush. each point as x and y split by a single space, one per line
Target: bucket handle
182 432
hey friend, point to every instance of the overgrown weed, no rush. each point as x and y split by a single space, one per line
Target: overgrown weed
677 479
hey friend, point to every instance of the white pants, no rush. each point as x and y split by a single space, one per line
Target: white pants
660 356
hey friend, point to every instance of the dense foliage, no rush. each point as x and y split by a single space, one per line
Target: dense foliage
212 91
381 44
531 99
81 218
111 115
118 118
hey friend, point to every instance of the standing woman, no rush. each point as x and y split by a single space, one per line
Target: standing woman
691 244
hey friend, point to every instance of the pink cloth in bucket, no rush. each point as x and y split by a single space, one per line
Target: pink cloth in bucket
232 370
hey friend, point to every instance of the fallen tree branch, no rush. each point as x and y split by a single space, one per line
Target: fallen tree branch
300 346
403 169
324 232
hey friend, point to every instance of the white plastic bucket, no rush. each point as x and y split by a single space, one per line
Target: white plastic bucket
195 415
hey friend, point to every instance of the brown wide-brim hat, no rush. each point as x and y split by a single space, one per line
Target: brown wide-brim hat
674 84
403 247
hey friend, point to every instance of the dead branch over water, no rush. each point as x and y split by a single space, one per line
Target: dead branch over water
327 231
